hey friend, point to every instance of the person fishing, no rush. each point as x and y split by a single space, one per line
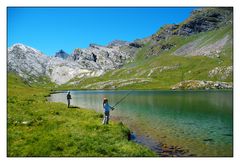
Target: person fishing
69 98
106 108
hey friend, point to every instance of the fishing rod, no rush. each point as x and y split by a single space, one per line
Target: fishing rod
122 98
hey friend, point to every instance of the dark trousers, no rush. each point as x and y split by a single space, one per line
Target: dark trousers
68 102
106 117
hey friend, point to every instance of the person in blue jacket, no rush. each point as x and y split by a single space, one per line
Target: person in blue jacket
106 109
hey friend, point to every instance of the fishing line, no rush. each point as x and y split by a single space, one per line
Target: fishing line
122 99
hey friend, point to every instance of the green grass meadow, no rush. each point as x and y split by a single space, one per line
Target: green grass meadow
38 128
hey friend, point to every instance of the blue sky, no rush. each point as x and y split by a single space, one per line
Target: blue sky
52 29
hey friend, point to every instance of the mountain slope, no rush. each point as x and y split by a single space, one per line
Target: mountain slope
196 53
171 58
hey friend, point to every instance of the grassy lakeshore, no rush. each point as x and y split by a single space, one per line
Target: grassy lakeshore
36 127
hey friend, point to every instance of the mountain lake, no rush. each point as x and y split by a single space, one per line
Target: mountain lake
199 122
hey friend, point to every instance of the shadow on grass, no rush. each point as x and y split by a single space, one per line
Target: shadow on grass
74 107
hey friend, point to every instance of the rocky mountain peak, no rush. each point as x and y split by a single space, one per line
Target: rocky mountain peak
205 19
26 61
201 20
61 54
21 49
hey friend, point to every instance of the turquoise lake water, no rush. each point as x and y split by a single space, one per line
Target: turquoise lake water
198 121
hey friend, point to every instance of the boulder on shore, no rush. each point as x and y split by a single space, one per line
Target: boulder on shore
200 84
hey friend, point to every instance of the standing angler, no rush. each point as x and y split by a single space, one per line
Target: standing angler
69 98
106 108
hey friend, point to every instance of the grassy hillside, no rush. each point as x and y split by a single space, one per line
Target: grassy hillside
158 68
36 127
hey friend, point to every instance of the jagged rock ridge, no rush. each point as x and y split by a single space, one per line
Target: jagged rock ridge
90 62
201 20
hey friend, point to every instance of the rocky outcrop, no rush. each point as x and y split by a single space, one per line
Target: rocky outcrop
97 57
199 84
205 19
201 20
221 72
165 32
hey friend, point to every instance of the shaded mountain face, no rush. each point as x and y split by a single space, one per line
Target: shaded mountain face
201 20
168 57
61 54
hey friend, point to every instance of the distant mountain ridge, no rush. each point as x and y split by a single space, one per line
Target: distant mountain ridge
90 62
198 49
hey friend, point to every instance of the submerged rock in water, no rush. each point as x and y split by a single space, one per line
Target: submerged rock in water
208 140
164 150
